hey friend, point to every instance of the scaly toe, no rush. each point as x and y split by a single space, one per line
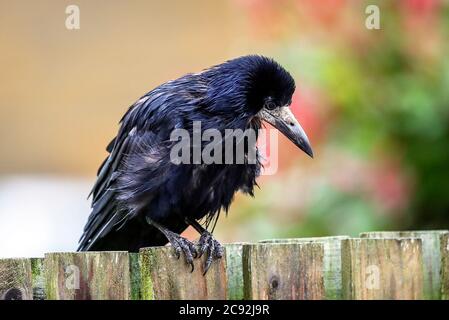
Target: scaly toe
183 245
189 251
203 243
218 252
210 257
176 247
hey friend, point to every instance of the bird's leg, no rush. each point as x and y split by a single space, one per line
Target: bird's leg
206 244
178 243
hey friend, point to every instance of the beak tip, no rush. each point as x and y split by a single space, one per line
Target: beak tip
305 146
310 153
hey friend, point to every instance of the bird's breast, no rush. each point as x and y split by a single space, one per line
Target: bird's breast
213 187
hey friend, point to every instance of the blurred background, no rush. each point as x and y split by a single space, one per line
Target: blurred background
375 104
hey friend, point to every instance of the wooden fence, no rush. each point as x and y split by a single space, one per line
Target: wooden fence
377 265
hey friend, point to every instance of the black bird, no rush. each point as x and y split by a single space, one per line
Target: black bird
142 198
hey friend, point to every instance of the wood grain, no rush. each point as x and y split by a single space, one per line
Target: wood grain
382 269
15 279
87 276
444 249
164 277
431 256
331 261
284 271
234 270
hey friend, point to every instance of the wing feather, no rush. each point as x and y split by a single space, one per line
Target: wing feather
144 129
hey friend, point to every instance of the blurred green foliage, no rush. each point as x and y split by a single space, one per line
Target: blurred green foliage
385 97
394 96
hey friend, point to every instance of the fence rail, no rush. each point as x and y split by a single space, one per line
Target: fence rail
377 265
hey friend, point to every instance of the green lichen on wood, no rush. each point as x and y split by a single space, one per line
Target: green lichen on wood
382 269
51 283
405 265
38 278
87 276
234 270
146 282
431 256
15 279
291 271
134 269
163 276
332 261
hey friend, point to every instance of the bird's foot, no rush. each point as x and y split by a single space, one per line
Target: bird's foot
181 244
213 249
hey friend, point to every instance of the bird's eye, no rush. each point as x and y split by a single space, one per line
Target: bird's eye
270 105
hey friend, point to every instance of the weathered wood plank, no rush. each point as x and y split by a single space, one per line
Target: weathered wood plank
134 262
444 247
38 278
234 270
165 277
278 271
15 279
431 256
87 276
382 269
331 261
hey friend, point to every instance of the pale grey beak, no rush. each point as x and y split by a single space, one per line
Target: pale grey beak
283 119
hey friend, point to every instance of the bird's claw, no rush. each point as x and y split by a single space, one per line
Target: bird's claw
213 249
181 244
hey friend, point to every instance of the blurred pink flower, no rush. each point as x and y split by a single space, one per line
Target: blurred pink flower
383 181
420 6
420 22
419 14
325 11
307 106
389 185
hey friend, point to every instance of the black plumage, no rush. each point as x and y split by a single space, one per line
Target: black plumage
141 197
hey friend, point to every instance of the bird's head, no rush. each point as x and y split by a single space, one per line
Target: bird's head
260 88
270 92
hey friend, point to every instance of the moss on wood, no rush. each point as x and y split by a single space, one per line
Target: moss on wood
165 277
87 276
